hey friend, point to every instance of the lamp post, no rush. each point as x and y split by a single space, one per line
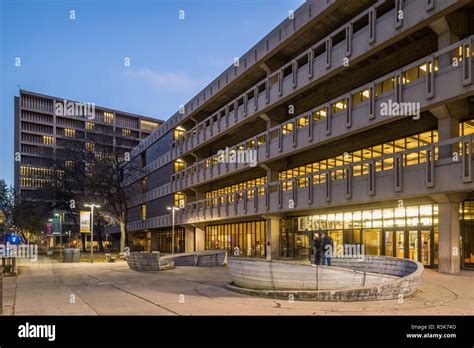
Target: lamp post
92 206
173 209
48 240
60 216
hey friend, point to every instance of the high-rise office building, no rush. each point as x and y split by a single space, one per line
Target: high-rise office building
48 127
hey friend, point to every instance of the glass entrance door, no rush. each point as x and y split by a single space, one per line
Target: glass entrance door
388 243
302 244
413 245
400 244
426 247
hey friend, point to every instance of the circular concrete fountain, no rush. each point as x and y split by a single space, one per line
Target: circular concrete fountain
364 278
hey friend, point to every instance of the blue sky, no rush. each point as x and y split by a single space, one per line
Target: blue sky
171 60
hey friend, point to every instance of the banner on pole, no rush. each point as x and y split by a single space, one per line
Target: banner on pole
85 222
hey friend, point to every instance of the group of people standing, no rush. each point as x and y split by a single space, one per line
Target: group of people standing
322 249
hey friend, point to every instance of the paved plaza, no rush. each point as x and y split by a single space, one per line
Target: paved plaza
48 287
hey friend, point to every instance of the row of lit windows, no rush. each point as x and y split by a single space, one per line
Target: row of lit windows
238 187
148 125
35 171
245 239
108 117
34 183
391 147
424 215
387 85
360 155
47 140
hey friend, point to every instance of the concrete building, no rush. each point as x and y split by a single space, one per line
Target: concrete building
350 117
47 127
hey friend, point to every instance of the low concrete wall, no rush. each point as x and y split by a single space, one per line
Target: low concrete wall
148 262
209 258
354 279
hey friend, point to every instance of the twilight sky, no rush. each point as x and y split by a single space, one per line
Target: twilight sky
171 59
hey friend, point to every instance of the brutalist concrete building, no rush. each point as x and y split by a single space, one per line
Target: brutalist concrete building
48 127
353 118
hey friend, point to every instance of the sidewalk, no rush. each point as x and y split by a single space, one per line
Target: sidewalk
47 287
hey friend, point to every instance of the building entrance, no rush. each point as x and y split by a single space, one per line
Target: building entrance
410 243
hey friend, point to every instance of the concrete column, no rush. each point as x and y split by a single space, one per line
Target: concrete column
445 38
189 239
448 127
272 237
449 260
200 237
154 241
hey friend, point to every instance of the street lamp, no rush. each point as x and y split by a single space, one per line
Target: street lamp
60 216
173 209
92 206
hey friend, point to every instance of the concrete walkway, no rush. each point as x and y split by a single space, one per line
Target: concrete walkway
47 287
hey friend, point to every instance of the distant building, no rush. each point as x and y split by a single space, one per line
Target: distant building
47 126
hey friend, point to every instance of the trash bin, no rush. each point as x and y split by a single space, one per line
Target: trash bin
68 255
76 255
72 255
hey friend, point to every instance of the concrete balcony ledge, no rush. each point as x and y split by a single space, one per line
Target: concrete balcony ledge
365 278
209 258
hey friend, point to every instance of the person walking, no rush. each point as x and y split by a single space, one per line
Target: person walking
327 246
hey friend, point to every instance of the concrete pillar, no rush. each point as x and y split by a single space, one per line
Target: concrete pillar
154 241
448 127
189 239
449 260
272 237
200 237
445 38
449 251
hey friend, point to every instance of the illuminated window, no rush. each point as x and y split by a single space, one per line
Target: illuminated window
90 146
302 122
178 132
179 199
339 106
240 186
70 133
148 126
179 165
319 114
143 212
69 164
89 126
47 140
143 185
360 97
363 154
108 117
126 132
